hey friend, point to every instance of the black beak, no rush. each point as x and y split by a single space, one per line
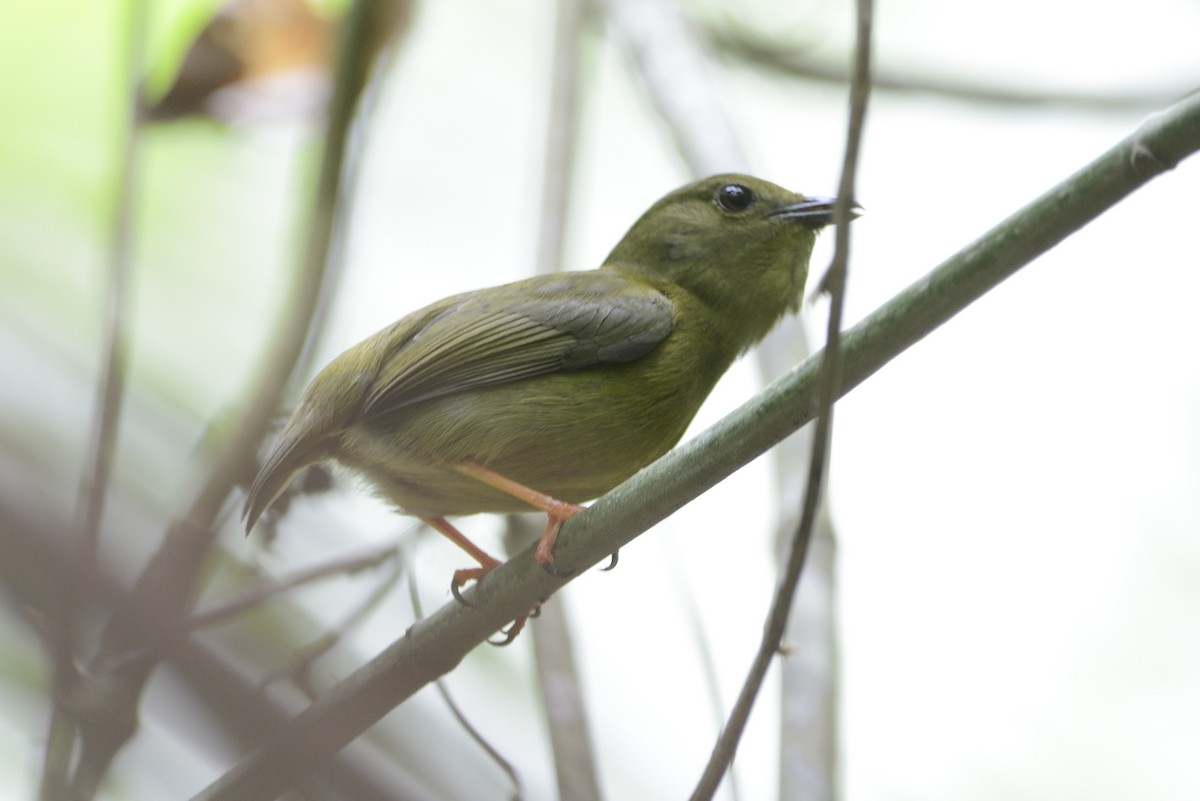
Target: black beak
815 212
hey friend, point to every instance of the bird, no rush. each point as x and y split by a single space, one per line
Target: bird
548 392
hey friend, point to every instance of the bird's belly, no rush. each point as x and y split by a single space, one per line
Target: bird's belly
573 445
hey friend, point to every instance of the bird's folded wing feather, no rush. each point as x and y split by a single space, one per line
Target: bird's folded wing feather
497 336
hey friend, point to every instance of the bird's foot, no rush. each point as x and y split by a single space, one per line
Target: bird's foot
557 513
515 627
468 574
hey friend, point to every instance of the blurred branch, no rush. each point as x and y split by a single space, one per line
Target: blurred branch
562 134
475 734
678 77
258 595
434 646
36 561
110 394
706 662
809 725
833 283
299 668
379 34
676 72
165 589
794 62
559 685
553 649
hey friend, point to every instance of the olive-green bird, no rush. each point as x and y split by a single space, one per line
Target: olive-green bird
550 391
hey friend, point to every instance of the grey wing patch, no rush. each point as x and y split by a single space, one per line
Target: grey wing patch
466 347
474 344
613 332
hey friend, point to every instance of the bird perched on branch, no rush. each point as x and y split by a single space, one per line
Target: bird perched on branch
549 392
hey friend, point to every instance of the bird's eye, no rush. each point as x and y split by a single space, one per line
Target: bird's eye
734 197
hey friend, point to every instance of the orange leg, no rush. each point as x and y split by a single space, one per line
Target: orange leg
487 563
557 512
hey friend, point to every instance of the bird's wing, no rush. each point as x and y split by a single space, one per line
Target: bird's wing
519 331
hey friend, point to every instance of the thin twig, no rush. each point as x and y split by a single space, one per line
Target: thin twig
830 379
256 596
435 645
300 665
492 752
676 71
675 65
706 660
559 685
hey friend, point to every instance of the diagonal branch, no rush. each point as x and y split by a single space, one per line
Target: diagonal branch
437 644
559 682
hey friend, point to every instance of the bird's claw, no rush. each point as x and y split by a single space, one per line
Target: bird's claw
461 577
515 627
457 593
509 633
